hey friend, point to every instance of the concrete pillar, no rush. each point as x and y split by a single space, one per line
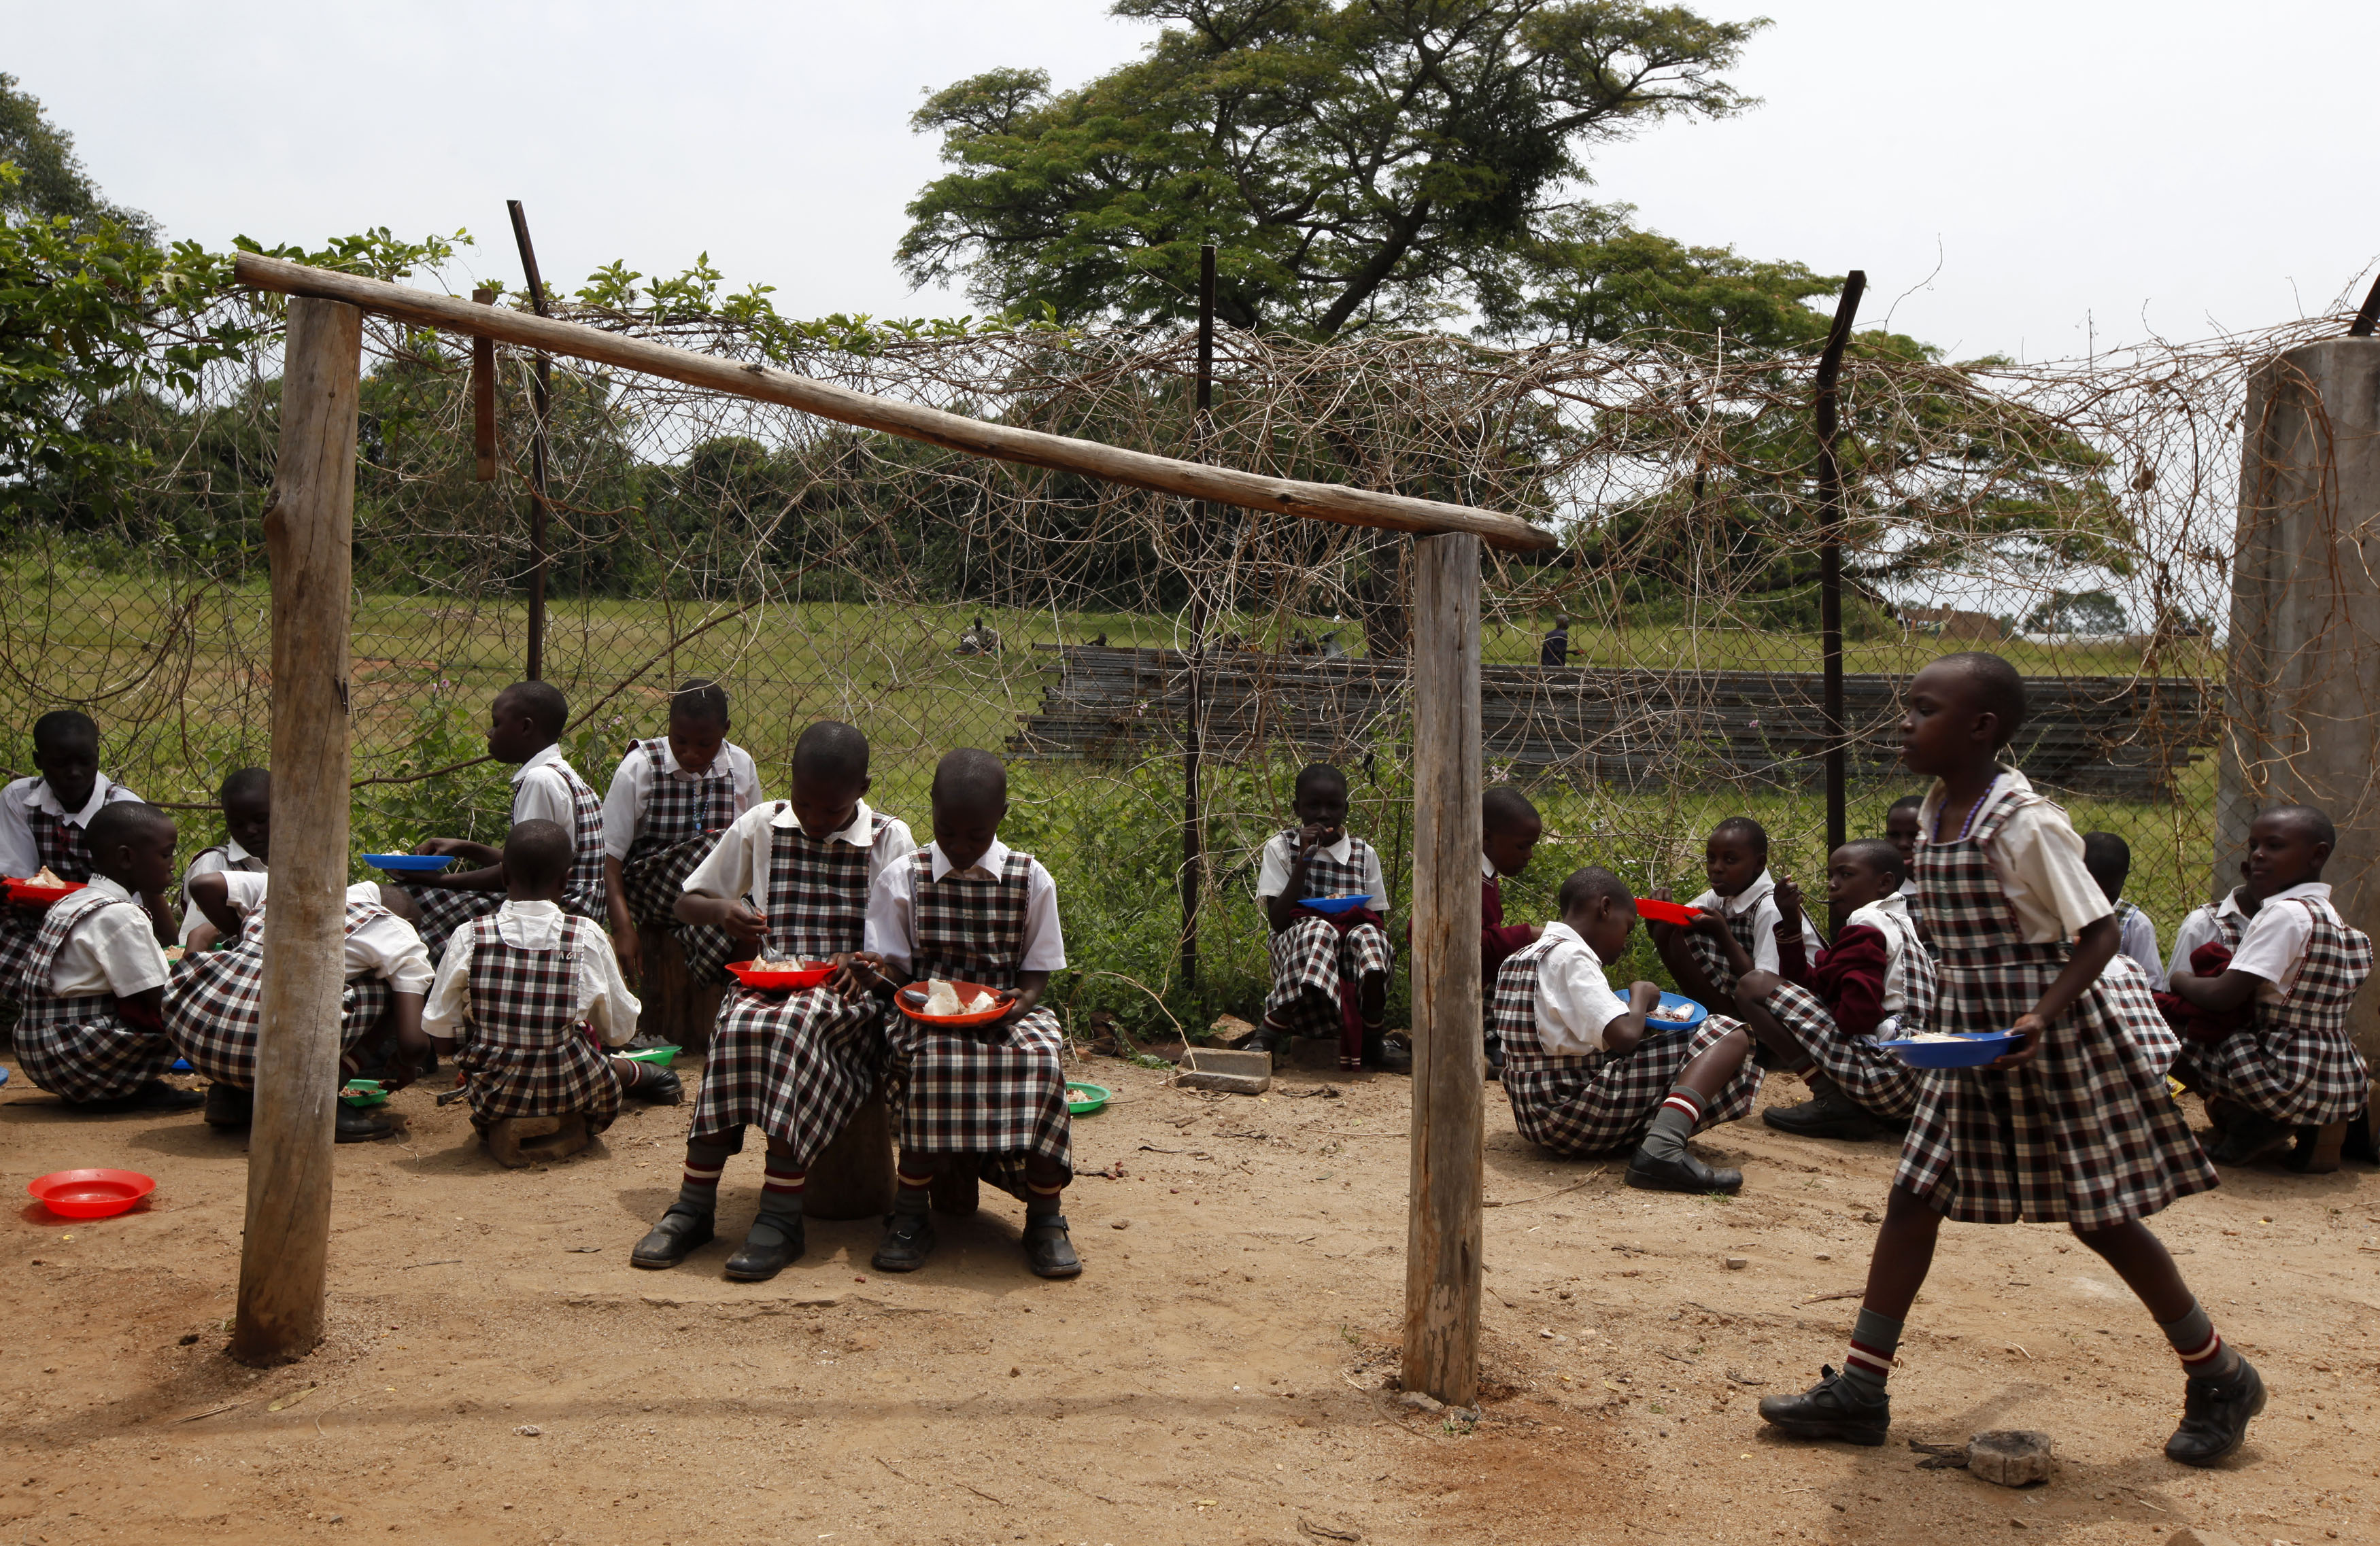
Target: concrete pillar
2304 649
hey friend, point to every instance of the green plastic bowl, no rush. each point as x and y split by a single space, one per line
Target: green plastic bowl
1083 1099
660 1057
363 1092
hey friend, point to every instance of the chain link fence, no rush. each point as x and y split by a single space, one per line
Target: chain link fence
2077 517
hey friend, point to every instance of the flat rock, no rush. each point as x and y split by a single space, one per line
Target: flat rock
2190 1535
2010 1456
1219 1069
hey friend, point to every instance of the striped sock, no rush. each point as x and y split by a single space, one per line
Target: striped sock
1040 1202
1673 1124
911 1191
2204 1353
698 1193
781 1190
1867 1364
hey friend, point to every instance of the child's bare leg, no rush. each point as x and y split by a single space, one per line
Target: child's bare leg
1904 1255
1048 1249
1852 1405
1662 1162
2224 1390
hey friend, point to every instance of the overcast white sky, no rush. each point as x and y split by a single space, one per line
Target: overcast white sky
2068 166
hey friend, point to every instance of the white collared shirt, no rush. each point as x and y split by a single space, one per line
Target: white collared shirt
738 866
891 911
1889 917
112 950
2038 857
1575 1002
1488 868
2140 942
19 855
632 791
386 947
1281 850
2275 946
602 1000
542 791
1759 899
2201 927
227 855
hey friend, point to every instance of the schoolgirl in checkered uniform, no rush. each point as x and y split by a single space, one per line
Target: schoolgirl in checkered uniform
670 800
1318 959
1584 1072
2074 1123
1742 898
39 829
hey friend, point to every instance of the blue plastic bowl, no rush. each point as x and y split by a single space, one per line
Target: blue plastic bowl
1336 904
1678 1002
1967 1052
179 1064
4 1076
409 863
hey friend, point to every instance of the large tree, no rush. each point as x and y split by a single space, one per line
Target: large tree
50 183
1355 162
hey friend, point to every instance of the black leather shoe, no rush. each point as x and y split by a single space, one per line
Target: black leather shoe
1048 1250
908 1240
1265 1040
355 1125
2361 1144
1684 1173
2214 1416
677 1237
768 1249
1833 1408
1828 1113
229 1106
1385 1055
657 1086
2249 1138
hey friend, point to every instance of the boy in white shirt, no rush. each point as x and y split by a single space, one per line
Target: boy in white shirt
246 800
2109 860
524 1003
43 821
2299 965
1587 1073
1741 902
93 983
670 800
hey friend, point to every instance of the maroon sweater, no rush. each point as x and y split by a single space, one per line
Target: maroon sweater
1848 975
1496 941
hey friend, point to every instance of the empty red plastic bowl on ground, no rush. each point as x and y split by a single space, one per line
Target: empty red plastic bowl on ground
90 1193
1664 912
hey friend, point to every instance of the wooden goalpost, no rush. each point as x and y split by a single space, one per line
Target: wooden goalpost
308 522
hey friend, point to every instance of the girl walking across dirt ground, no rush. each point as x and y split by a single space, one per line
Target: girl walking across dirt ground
2074 1125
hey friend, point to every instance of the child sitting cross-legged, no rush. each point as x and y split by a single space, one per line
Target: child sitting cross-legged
90 986
1824 1021
1740 904
43 823
986 1101
2109 860
1329 970
1587 1074
671 799
214 1005
526 1001
2294 969
798 1062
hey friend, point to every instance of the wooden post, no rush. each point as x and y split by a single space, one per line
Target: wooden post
483 398
308 528
1442 1261
540 404
1830 560
1194 820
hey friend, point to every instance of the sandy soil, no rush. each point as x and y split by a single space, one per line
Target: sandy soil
495 1370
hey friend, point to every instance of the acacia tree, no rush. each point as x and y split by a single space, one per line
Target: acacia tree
1354 161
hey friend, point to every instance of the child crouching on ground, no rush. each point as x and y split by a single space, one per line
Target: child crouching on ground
1508 830
2296 967
1824 1021
1585 1072
986 1101
1740 904
93 984
524 1003
796 1063
1329 970
44 820
214 1005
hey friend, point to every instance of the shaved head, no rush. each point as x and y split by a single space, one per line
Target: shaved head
542 702
1504 808
122 822
1583 887
1878 855
1994 687
2310 821
833 754
537 854
968 780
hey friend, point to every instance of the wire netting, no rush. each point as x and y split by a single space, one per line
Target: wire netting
2076 517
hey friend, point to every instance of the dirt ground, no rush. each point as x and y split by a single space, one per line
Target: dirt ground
496 1371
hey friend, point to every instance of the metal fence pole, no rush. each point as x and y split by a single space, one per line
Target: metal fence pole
1831 557
540 402
1194 820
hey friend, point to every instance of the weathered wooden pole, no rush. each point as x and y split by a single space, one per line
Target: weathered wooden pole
483 398
1827 410
1442 1262
308 528
541 405
1194 820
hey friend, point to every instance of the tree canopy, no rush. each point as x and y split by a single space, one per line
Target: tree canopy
1354 162
50 183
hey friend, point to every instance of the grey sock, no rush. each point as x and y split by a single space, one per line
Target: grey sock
1868 1364
2202 1353
696 1195
1673 1124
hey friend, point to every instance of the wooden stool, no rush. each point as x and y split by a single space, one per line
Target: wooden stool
852 1176
515 1141
2317 1148
678 1008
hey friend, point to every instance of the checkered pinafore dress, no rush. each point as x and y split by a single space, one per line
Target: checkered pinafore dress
1591 1102
1866 1072
1713 960
214 1004
64 852
999 1098
582 889
79 1048
682 820
523 1051
1310 958
2086 1134
2297 1064
798 1063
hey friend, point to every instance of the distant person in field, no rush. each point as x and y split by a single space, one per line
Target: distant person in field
42 820
2109 860
524 723
90 986
789 881
1555 649
1329 968
527 1001
1509 828
978 639
246 801
1743 905
670 800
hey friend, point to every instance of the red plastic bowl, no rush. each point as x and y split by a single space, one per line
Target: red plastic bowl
774 979
1657 912
29 895
90 1193
966 992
